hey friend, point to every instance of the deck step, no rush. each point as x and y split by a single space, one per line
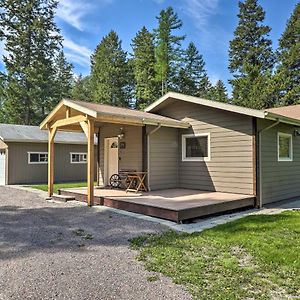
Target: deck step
62 198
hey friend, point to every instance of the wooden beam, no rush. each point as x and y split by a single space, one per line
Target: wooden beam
98 157
52 132
90 162
85 128
68 112
69 121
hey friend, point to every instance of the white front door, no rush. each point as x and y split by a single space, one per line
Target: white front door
2 167
111 159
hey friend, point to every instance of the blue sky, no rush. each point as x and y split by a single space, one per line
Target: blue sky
208 23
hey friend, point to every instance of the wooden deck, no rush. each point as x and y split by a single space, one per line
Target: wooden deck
172 204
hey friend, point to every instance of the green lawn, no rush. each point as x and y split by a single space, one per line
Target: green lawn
257 257
57 186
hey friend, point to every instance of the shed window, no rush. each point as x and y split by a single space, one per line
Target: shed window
78 158
195 147
285 147
37 157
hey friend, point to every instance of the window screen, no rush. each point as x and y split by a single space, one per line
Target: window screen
197 146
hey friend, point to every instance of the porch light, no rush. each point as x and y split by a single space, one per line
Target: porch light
122 134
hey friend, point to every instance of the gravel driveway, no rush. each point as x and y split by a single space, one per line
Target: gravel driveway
70 251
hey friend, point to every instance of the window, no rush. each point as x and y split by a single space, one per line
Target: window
78 158
37 157
195 147
285 147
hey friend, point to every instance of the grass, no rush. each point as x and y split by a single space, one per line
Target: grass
57 186
257 257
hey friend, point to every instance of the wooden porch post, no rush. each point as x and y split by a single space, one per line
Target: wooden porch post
52 132
98 157
90 161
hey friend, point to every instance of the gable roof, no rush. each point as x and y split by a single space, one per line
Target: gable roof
25 133
102 111
287 114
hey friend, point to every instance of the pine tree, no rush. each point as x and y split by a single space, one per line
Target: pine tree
192 78
63 78
31 39
286 82
205 88
219 92
81 89
168 48
110 76
146 88
2 98
250 56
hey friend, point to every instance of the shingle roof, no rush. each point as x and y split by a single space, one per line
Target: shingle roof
25 133
125 112
291 111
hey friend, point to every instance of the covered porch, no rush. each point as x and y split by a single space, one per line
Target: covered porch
172 204
122 139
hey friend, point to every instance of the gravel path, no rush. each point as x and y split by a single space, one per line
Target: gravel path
70 251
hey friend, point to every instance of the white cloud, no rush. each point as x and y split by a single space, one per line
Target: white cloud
76 53
72 12
200 11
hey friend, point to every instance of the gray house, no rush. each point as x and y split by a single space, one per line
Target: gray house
24 155
232 149
185 142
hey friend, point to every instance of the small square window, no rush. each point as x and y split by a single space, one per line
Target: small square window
285 147
78 158
195 147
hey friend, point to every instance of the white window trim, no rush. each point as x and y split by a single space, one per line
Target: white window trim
36 162
291 146
78 162
183 150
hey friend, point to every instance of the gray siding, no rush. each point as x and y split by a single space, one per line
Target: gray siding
129 158
231 166
280 179
20 172
163 168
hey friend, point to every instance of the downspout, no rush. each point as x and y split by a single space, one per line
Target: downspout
148 154
260 160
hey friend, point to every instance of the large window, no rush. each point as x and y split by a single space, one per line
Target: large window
37 157
195 147
78 158
285 147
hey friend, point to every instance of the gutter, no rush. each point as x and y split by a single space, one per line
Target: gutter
148 153
260 132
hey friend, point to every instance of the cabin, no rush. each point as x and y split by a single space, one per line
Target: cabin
198 156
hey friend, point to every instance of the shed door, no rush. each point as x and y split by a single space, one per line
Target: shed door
2 167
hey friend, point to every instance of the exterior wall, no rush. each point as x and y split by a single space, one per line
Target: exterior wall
129 158
20 172
231 167
280 179
163 162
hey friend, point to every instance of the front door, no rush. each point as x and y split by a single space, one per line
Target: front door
2 167
111 161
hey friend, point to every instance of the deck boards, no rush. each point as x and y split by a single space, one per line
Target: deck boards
172 204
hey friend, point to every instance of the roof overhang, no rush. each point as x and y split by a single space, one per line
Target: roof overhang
261 114
113 118
155 106
282 119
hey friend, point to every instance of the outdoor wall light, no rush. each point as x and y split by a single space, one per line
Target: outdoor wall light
122 134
